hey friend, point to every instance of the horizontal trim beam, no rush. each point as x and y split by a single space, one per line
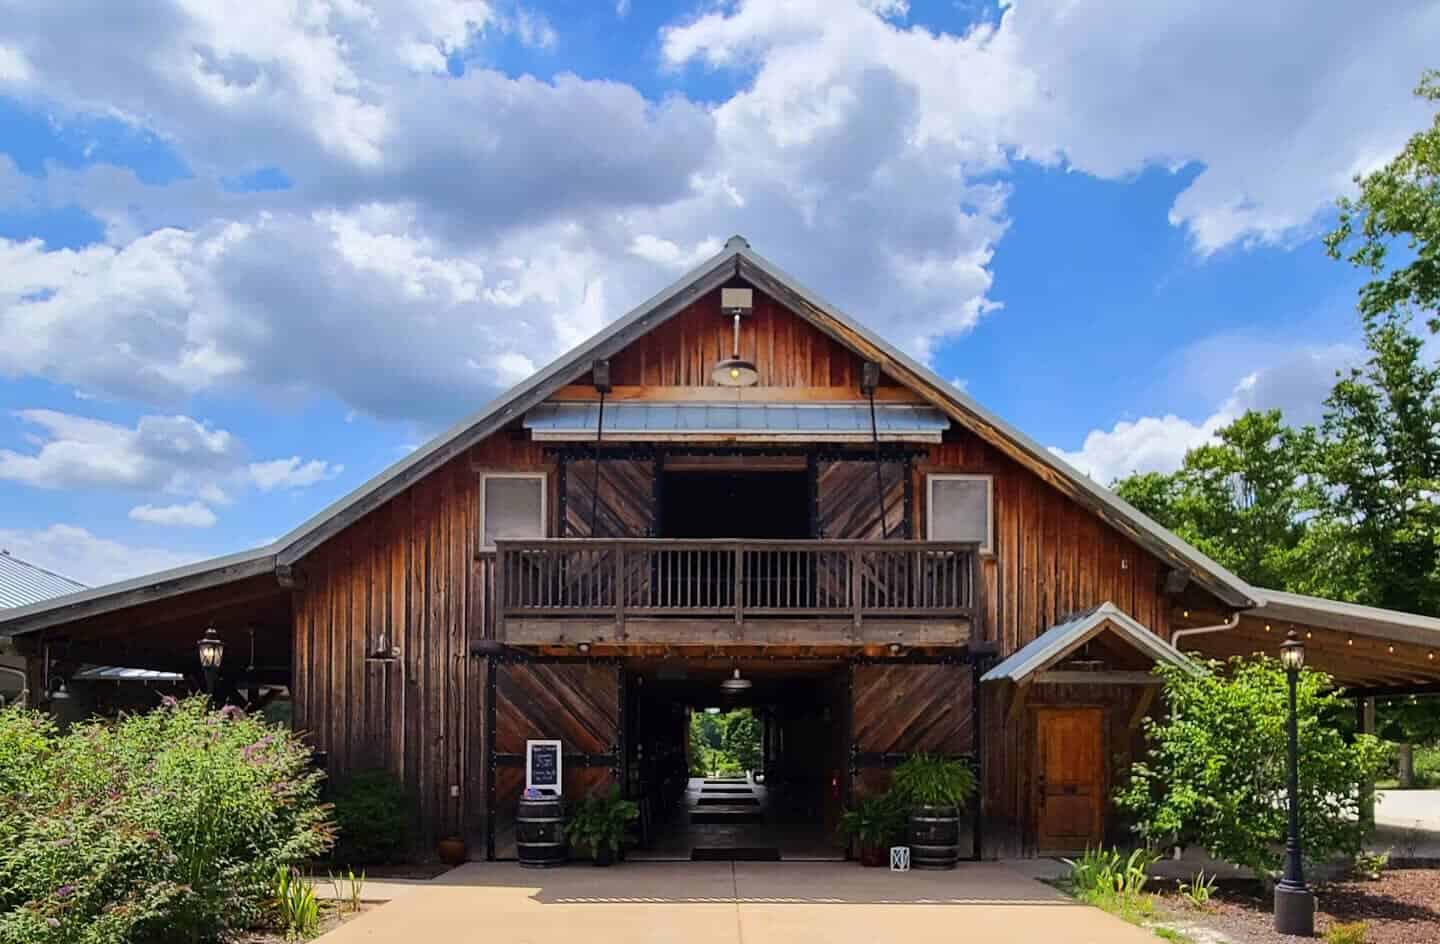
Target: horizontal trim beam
1063 677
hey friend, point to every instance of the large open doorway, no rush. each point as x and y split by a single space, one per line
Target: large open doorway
710 503
757 774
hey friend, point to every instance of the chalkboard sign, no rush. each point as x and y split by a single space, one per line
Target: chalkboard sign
542 766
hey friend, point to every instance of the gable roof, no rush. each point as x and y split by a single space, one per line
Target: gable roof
737 258
22 583
1057 642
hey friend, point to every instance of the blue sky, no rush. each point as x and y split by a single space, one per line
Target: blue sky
249 257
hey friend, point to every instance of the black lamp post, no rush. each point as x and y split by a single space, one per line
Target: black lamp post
1294 902
212 650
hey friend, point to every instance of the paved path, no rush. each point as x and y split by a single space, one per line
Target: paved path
725 903
1407 824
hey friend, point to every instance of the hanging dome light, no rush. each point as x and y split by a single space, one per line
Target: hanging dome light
735 371
735 683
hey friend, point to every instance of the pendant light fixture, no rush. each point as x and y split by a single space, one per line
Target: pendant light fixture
735 684
735 371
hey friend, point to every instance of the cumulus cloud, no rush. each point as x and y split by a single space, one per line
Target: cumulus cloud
192 515
1296 385
76 553
446 233
168 455
293 472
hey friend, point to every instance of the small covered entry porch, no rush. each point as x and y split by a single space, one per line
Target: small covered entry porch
1068 709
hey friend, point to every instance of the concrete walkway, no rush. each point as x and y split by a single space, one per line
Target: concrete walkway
725 903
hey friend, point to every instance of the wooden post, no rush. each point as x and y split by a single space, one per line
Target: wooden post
502 577
619 559
739 568
856 594
977 596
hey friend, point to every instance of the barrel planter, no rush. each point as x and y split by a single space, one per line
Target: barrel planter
934 837
540 833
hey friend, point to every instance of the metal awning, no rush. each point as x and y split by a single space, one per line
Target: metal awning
1059 641
774 422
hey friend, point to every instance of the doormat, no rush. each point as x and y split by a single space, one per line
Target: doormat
726 817
735 854
727 801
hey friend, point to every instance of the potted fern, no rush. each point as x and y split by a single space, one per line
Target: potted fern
598 824
934 789
873 824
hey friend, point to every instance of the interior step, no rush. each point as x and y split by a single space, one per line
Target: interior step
726 817
727 801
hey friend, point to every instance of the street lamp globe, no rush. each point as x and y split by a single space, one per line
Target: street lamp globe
1292 652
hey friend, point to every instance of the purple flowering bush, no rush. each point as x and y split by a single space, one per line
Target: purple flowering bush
156 827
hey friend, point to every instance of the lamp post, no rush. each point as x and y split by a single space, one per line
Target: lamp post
212 650
1294 902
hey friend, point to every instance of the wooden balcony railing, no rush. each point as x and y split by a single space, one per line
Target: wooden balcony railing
625 580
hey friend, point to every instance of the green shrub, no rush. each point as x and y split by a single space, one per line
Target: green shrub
372 820
1353 933
1215 771
156 827
932 780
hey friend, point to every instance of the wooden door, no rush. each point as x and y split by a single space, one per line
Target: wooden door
1070 779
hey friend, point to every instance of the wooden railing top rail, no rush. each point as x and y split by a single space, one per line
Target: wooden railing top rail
797 544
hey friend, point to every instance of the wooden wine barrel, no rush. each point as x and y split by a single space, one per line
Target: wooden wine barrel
540 833
934 837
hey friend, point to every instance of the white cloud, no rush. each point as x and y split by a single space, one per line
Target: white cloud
1296 384
14 67
165 455
412 269
76 553
293 472
192 515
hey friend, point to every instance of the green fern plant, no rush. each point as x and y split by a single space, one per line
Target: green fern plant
932 780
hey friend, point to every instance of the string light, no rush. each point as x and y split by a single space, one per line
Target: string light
1390 649
1309 634
1349 642
1267 627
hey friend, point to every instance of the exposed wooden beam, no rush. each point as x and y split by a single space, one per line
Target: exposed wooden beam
1142 707
1110 677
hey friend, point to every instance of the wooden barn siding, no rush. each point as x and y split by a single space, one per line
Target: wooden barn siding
1051 557
408 572
786 350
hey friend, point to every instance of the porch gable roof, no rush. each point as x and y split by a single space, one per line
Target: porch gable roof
1059 641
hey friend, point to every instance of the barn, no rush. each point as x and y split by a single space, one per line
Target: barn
734 495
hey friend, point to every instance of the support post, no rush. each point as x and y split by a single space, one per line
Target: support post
1365 718
977 825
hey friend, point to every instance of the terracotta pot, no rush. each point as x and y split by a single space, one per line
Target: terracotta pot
874 857
451 851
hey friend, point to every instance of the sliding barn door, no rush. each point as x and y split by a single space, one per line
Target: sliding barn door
578 703
627 503
899 709
848 504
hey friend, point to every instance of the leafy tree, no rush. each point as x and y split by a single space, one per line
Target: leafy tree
1239 499
1377 455
742 738
1215 769
1400 201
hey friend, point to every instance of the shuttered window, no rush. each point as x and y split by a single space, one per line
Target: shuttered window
511 506
961 508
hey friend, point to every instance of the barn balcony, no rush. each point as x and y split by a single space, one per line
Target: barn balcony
640 592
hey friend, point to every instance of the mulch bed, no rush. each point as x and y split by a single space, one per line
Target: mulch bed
330 919
1402 907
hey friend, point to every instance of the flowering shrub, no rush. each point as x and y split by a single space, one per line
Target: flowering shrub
161 826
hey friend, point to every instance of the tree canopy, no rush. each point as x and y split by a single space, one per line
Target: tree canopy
1399 203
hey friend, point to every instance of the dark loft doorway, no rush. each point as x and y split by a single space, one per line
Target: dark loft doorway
735 505
757 505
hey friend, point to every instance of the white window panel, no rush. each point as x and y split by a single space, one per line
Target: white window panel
511 506
961 508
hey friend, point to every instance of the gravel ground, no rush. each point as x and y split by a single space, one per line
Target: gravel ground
1403 907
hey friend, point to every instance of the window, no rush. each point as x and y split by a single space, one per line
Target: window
511 506
961 509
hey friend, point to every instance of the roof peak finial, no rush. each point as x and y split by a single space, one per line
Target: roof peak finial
737 242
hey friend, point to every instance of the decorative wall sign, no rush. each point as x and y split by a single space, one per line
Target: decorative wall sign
899 858
543 770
